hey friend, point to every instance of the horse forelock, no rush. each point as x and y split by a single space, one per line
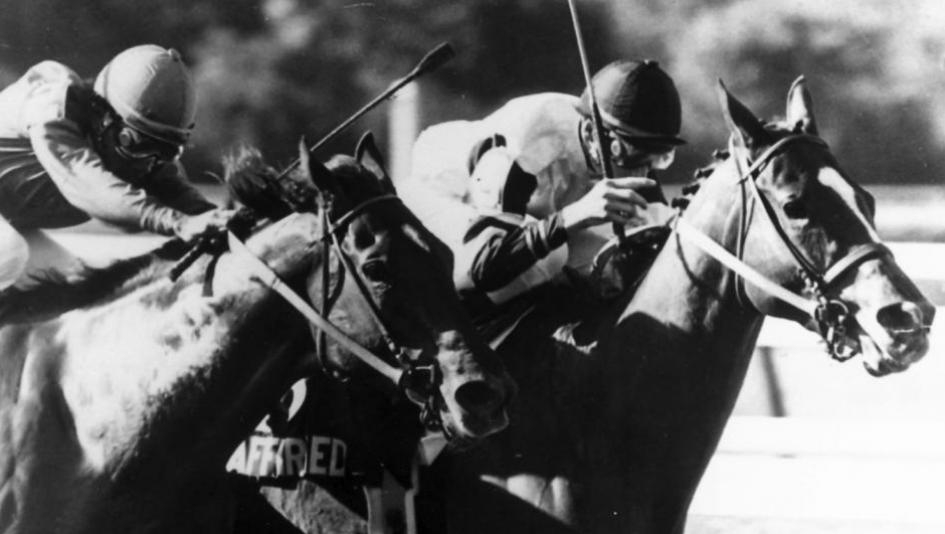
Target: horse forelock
53 292
778 129
355 181
254 183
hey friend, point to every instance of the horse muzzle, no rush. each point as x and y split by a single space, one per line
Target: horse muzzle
473 399
894 336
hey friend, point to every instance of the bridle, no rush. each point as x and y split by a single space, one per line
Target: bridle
420 383
831 315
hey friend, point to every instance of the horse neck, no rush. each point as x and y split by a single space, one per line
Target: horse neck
690 296
670 372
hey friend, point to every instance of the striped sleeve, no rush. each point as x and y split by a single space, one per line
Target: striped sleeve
503 253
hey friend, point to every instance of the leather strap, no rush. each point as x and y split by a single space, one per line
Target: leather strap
726 258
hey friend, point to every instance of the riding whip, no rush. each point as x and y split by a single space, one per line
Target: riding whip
430 62
600 134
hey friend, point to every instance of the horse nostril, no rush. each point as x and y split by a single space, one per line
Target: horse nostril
927 311
900 317
478 395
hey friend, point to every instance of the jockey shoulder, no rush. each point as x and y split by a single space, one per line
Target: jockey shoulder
70 151
539 129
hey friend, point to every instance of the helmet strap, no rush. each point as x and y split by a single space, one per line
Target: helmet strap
585 135
102 116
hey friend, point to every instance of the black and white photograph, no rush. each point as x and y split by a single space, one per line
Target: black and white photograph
472 267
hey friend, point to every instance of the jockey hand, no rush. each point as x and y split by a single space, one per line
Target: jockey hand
190 227
614 200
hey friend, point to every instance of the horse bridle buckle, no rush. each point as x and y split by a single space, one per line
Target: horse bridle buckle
419 381
833 316
419 384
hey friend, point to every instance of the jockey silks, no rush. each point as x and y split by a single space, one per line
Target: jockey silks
541 132
51 175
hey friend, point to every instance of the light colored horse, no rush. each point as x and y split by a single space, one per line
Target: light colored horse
617 441
123 394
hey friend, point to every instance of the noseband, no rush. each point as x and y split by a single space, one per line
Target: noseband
420 383
832 316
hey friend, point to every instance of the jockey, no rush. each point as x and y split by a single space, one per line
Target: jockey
71 151
535 180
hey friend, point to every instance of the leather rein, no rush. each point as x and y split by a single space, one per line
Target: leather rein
832 315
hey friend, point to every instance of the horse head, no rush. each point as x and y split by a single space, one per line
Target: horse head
802 223
384 280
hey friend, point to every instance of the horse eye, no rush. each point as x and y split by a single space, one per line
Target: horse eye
376 271
795 209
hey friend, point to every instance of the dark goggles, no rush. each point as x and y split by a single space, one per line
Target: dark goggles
633 153
134 145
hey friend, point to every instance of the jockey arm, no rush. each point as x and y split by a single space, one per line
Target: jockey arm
81 177
505 256
49 112
171 185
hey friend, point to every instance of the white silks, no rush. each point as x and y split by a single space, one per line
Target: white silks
14 255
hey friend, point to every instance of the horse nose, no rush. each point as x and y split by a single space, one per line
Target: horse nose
928 313
479 396
905 317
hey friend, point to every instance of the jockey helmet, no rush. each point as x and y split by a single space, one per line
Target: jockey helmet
151 89
638 101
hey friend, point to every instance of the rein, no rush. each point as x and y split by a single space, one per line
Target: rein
418 382
831 314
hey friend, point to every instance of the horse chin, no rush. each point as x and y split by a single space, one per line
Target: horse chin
886 352
893 357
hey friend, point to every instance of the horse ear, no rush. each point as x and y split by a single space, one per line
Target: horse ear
314 171
742 122
369 156
800 111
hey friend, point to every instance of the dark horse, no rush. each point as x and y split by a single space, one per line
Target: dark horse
617 439
122 394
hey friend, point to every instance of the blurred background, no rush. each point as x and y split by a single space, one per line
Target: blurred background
272 70
814 446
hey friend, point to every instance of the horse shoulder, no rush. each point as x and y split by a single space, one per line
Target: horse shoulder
39 451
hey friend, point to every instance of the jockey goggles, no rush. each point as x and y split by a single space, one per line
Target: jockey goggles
630 153
135 145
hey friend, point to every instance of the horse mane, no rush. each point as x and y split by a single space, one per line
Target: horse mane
699 176
254 183
263 189
53 292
